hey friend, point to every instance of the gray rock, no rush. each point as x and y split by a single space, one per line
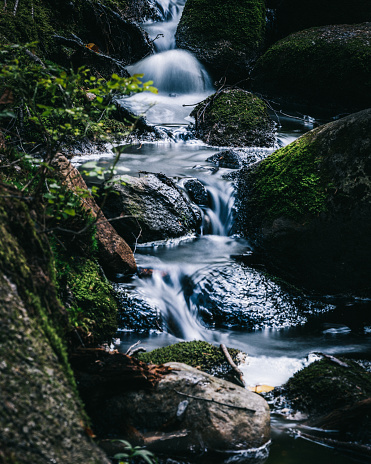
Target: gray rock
151 208
190 411
196 191
226 159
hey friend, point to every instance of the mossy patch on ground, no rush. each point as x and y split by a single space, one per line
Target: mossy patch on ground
203 355
234 117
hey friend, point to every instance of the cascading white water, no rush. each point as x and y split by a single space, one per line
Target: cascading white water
173 72
179 77
163 32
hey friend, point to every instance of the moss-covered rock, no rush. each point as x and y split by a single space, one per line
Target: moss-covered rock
104 23
224 35
307 207
292 16
336 396
200 354
234 117
327 67
89 298
41 418
326 385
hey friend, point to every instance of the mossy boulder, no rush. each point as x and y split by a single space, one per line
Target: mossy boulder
234 117
336 395
203 355
226 36
326 67
307 207
292 16
41 417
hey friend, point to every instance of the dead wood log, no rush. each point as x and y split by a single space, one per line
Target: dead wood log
232 364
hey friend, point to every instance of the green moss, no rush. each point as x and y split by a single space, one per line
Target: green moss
242 22
235 108
332 62
234 117
203 355
290 183
92 306
324 386
25 258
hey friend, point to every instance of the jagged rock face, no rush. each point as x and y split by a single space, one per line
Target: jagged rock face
190 411
234 117
327 67
226 36
307 206
151 208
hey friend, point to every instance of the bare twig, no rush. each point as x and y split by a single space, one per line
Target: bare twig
216 402
232 364
130 349
15 7
333 359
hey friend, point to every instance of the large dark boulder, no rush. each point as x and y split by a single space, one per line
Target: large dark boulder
292 16
151 207
307 207
327 67
226 36
336 395
234 117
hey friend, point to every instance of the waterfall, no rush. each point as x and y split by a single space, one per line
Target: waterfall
182 81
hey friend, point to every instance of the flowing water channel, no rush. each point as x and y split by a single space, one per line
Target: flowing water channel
199 288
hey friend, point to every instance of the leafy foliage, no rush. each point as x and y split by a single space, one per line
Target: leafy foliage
136 452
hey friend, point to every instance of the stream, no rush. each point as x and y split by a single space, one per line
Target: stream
199 287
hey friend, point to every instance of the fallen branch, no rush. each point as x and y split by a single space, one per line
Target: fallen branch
364 450
216 402
133 350
232 364
333 359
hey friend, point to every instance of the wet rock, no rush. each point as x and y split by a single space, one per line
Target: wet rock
226 36
226 159
336 394
307 207
115 256
189 411
327 67
234 117
151 208
196 192
238 297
